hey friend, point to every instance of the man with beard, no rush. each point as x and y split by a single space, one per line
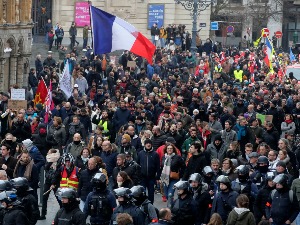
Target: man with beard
126 205
283 206
21 128
214 126
158 138
70 212
201 197
75 147
187 143
173 133
30 204
121 116
7 162
228 135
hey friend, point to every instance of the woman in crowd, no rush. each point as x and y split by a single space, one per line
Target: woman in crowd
228 169
83 158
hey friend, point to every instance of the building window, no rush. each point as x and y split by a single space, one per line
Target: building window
236 1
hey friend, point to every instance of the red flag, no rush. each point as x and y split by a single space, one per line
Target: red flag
49 103
41 93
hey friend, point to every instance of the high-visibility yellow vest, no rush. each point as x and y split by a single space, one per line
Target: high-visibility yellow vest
238 75
104 123
71 181
218 69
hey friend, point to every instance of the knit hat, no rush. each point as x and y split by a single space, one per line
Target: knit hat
281 163
127 137
28 144
147 141
218 137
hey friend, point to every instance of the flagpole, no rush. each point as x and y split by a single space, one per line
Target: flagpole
90 3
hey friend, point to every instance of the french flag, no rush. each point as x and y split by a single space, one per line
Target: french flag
111 33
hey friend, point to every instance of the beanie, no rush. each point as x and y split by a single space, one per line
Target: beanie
28 144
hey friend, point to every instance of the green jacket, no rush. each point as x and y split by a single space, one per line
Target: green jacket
296 188
240 216
187 143
85 33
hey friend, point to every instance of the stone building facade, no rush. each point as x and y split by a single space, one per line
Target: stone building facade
134 12
15 42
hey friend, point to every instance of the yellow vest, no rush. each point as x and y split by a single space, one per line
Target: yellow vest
218 69
238 75
104 123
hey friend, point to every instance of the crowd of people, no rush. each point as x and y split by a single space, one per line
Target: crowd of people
221 129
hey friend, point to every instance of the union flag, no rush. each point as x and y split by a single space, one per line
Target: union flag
41 93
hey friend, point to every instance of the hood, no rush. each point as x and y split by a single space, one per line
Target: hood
53 157
28 144
241 213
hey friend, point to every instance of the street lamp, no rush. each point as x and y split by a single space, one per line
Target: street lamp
196 6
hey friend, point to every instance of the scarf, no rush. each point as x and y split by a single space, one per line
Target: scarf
27 173
165 174
53 157
288 121
241 131
84 160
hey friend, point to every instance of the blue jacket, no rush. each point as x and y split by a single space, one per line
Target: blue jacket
110 159
150 164
121 117
37 157
221 200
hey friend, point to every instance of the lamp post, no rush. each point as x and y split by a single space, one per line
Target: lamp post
195 6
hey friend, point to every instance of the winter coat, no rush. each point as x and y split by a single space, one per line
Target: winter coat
150 165
271 137
216 153
37 157
74 149
195 164
241 216
158 141
80 163
177 164
287 128
56 136
121 117
110 159
11 163
84 185
21 130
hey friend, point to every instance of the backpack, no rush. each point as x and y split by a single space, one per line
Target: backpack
70 222
146 210
99 206
291 195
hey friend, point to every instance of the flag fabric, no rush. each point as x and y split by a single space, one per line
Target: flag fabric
269 53
111 33
49 105
41 93
65 81
292 56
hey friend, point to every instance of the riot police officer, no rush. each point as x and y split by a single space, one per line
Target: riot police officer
142 201
258 177
202 198
126 205
14 214
100 202
5 185
28 201
70 212
184 207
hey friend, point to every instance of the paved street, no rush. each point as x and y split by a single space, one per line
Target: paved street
53 208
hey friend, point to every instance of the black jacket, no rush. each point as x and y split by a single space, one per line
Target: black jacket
11 163
261 201
150 164
21 130
177 164
158 141
15 216
184 211
195 165
30 208
132 171
85 186
73 216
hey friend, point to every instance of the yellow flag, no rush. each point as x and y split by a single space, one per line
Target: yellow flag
256 43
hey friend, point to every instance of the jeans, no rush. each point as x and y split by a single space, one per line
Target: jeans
169 190
85 42
153 40
148 184
298 219
46 38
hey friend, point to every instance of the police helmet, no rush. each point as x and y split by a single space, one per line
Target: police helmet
8 197
263 160
5 185
99 181
243 170
138 191
281 179
224 180
181 185
20 184
123 192
270 176
207 170
195 177
68 193
68 157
